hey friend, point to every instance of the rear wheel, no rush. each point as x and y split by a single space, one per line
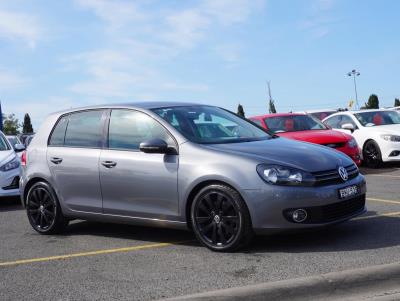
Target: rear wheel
372 154
43 210
220 219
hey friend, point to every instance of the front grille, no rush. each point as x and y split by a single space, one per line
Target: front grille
332 212
14 184
335 145
331 177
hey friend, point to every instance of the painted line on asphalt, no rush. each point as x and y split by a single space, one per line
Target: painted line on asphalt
383 201
386 176
389 214
91 253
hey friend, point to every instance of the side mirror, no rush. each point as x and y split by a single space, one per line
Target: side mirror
19 147
154 146
348 126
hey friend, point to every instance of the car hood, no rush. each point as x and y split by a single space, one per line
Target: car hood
385 129
317 136
6 156
305 156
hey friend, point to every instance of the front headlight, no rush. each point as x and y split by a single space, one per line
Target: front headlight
13 164
352 143
282 175
393 138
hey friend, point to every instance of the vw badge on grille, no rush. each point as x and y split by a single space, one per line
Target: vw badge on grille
343 173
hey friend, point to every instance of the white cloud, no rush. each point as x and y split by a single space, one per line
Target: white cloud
10 80
229 52
319 21
20 26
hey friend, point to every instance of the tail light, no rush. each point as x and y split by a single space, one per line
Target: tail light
23 158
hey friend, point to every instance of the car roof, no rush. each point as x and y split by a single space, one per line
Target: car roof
148 105
278 115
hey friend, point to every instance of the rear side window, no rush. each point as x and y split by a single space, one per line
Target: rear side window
85 129
58 135
130 128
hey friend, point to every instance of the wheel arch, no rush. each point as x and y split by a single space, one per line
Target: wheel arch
29 184
200 186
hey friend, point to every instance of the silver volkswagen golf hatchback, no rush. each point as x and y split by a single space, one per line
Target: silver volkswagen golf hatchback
186 166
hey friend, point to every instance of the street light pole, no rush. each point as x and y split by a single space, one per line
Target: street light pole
355 73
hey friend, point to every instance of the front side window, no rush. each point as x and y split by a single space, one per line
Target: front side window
207 125
293 123
333 122
85 129
377 118
129 128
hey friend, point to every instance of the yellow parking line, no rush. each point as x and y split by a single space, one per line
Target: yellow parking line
377 215
383 201
91 253
387 176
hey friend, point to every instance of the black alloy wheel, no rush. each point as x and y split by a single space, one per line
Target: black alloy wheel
372 154
220 218
43 210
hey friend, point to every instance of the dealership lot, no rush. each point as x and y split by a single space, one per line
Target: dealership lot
103 261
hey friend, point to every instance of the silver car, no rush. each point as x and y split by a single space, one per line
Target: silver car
184 166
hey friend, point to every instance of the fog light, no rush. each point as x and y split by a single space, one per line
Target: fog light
394 153
299 215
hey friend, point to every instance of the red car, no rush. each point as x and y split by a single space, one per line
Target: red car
308 128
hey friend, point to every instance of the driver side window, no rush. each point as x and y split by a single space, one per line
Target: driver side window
129 128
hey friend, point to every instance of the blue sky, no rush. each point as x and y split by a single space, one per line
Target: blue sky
62 54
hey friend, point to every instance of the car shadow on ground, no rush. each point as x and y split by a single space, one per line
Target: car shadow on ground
354 235
389 167
10 204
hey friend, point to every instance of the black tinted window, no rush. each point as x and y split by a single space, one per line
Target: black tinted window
84 129
130 128
58 135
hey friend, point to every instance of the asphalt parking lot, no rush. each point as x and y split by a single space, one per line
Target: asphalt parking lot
105 261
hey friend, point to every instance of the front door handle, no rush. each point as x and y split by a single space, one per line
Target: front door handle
109 164
56 160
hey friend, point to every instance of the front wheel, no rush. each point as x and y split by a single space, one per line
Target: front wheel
372 154
220 219
43 210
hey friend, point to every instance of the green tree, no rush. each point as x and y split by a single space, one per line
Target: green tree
27 125
397 102
372 103
240 111
11 125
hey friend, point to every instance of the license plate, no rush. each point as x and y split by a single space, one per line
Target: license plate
348 192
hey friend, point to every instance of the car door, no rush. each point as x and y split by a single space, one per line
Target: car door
73 158
135 183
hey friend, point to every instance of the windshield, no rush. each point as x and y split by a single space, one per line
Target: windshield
4 146
322 115
209 125
376 118
293 123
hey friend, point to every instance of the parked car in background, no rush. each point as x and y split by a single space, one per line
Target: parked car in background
377 132
16 143
320 114
104 163
9 169
307 128
26 138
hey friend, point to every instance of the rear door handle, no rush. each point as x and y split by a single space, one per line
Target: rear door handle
56 160
109 164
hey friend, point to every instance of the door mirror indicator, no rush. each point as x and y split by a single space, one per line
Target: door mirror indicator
154 146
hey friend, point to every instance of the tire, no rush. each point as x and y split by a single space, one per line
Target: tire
43 210
220 219
372 154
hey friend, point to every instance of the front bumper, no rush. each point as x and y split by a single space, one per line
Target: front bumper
9 181
268 205
390 150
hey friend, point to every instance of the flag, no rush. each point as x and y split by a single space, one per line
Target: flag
1 118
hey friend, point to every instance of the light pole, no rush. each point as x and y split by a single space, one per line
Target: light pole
355 73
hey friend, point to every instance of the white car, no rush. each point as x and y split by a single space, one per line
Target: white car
377 132
9 169
320 114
